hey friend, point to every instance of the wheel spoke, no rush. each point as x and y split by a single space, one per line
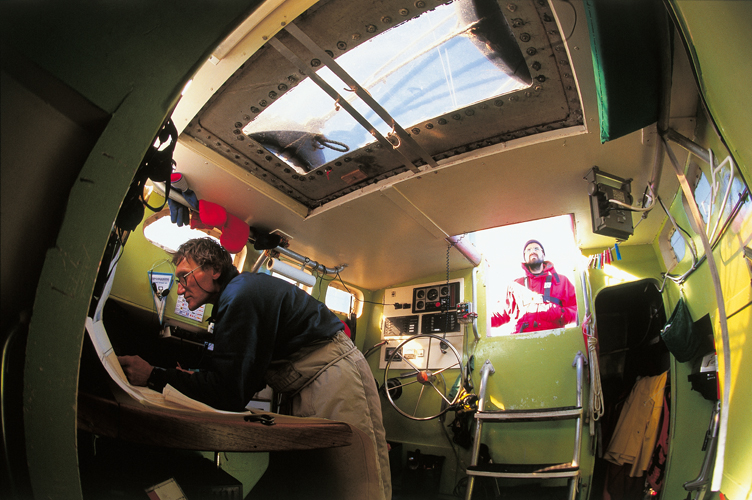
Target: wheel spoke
420 396
411 365
415 375
428 354
404 385
440 394
445 369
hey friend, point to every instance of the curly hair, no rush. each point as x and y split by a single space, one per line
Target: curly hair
204 252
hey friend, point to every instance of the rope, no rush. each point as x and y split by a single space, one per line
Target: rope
393 138
321 142
318 373
595 406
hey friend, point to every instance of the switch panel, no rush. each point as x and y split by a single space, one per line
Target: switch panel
401 325
440 323
429 308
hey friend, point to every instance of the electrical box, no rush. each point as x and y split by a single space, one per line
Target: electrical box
609 218
430 308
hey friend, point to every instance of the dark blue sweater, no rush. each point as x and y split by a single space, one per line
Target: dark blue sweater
258 319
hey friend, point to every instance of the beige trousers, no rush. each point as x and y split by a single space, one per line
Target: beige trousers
331 379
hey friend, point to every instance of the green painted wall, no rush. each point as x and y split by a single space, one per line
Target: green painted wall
720 39
428 436
532 370
692 413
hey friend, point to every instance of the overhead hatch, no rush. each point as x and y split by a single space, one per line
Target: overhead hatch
354 93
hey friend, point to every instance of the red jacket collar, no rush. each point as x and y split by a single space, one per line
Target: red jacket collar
548 268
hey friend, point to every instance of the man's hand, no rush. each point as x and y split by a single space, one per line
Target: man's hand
136 369
522 295
546 311
181 369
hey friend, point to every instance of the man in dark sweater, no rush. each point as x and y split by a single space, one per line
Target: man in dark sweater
268 331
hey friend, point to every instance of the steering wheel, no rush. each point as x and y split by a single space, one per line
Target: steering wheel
429 387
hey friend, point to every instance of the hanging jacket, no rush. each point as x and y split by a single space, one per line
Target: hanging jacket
538 301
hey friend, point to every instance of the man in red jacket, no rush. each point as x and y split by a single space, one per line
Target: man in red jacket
540 300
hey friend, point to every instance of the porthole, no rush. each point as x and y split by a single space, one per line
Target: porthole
702 196
678 245
161 232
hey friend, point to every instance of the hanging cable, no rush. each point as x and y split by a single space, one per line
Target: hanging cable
320 141
636 209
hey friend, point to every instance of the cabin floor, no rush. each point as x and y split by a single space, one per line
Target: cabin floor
112 469
486 491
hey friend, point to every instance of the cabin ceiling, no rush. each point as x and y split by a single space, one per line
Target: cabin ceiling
547 102
386 213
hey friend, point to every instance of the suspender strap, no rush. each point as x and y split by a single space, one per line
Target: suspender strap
547 290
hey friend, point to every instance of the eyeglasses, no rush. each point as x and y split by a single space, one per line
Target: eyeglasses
183 280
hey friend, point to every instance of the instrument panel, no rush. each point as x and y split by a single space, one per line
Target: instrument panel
429 308
436 297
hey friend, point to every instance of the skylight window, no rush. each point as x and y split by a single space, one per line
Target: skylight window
439 62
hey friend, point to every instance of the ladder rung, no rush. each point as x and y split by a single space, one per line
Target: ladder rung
524 470
526 415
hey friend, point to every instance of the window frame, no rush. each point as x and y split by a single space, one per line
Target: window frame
238 259
357 295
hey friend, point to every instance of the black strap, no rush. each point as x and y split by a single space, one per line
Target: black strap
157 379
158 163
547 290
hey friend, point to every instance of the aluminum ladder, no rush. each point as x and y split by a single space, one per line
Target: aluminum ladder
570 470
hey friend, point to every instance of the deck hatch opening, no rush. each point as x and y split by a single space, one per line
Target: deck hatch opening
444 60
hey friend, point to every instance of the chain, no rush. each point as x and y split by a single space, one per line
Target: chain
446 306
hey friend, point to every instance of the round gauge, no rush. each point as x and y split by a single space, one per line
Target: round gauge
419 304
444 291
420 294
433 294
